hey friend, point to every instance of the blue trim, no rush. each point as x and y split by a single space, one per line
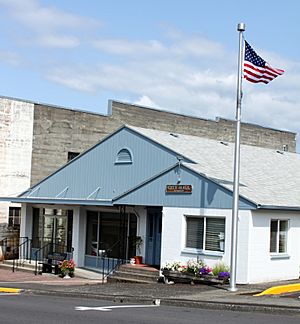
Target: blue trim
57 201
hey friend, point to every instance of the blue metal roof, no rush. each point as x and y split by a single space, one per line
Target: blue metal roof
97 178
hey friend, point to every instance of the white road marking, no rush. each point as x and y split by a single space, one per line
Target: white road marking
109 308
9 294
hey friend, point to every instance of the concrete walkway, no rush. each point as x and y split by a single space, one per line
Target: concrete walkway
202 296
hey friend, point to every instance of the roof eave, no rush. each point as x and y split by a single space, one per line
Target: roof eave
59 201
271 207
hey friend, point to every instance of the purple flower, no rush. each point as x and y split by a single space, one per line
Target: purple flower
224 274
205 270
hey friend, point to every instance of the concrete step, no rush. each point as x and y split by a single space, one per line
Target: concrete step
142 269
24 265
137 276
129 280
134 273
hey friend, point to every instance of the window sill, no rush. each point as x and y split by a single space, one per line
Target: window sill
279 256
201 252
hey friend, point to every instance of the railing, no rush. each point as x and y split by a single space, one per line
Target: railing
21 253
110 264
41 254
9 246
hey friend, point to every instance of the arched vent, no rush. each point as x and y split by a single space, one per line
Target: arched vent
124 156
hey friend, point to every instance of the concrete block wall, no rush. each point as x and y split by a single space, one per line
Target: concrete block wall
58 131
219 129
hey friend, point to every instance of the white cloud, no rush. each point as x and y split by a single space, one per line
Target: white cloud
126 47
181 47
181 72
10 58
32 14
188 81
146 102
58 41
47 26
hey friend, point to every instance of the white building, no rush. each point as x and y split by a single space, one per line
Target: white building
175 191
36 139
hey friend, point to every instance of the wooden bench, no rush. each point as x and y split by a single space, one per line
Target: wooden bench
52 262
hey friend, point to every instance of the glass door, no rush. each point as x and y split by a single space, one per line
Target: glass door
55 227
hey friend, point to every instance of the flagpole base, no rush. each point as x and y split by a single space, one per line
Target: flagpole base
232 289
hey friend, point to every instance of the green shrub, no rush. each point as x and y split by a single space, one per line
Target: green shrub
220 267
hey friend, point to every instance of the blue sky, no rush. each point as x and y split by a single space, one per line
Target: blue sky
175 55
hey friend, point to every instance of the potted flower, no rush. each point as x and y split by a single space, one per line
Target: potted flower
195 271
221 271
137 243
67 268
181 272
205 271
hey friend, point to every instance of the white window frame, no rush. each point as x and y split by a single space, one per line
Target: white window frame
277 252
203 250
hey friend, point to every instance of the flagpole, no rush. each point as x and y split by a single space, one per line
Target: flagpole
235 204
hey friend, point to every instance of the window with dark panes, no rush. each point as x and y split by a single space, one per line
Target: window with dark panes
72 155
205 233
278 235
14 216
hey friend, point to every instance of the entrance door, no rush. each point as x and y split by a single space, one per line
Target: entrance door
154 223
111 233
55 227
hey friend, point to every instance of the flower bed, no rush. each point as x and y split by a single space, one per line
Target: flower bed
195 272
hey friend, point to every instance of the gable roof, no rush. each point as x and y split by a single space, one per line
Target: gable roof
268 177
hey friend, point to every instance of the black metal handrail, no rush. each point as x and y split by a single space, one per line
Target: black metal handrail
40 255
21 253
110 264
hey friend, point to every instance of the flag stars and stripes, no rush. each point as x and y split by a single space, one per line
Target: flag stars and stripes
256 69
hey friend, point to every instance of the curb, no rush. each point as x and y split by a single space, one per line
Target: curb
11 290
277 290
202 304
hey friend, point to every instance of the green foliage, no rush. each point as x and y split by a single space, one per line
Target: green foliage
220 267
137 243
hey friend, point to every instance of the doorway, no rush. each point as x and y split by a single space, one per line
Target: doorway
154 227
110 233
56 227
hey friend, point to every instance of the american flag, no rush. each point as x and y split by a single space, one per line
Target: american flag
257 69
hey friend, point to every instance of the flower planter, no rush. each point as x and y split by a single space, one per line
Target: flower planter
138 259
183 277
177 276
210 279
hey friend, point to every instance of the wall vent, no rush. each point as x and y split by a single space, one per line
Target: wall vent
124 156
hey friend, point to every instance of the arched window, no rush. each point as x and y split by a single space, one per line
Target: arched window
124 156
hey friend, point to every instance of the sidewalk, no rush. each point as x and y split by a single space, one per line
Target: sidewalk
202 296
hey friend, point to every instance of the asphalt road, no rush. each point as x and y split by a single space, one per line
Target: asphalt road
49 309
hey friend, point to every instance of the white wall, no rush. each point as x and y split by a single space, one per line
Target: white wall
26 221
262 265
174 234
16 120
79 235
141 213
